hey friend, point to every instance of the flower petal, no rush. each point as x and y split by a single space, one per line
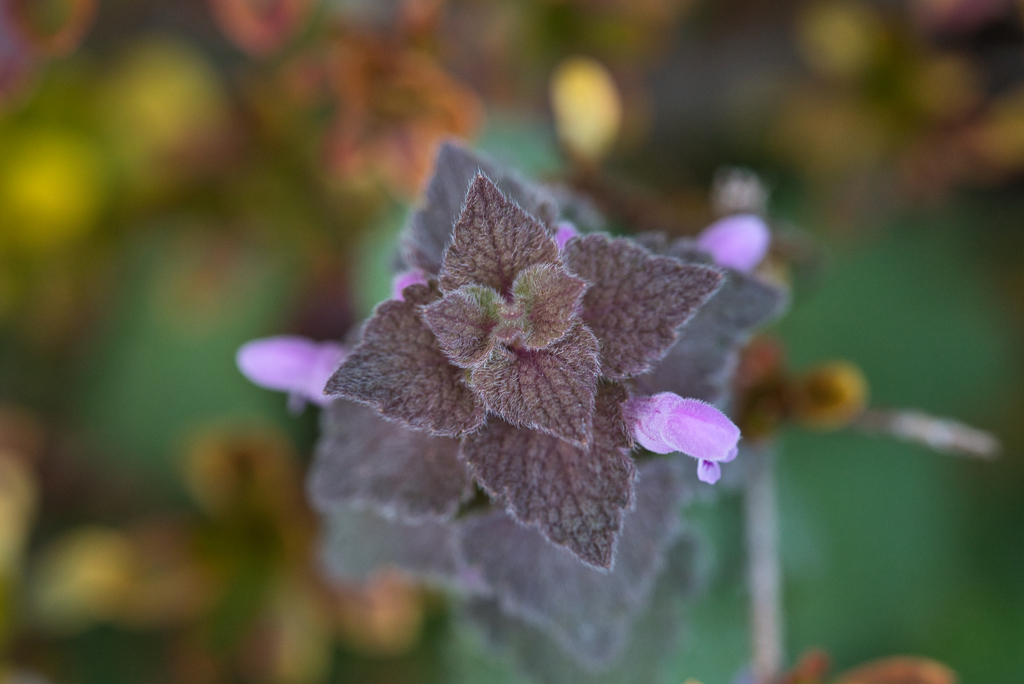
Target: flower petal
666 423
564 232
291 364
709 471
405 279
739 241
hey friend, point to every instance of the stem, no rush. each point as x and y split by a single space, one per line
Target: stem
764 573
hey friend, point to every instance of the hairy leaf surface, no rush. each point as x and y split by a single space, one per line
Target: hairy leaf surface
551 390
588 611
648 639
363 460
701 364
575 496
549 298
494 241
359 543
636 301
399 369
462 323
430 229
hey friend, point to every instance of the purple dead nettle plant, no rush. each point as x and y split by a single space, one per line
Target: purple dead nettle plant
491 428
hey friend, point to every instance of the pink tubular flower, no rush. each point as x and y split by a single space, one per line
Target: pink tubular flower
296 365
404 280
564 232
666 423
739 241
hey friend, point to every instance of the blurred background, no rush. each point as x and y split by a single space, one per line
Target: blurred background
180 176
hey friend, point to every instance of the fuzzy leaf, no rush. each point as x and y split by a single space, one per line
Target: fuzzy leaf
358 543
463 322
649 638
430 229
399 369
363 460
494 241
588 611
575 496
636 301
551 390
549 298
701 364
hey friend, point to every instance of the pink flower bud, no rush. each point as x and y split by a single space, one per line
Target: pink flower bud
666 423
739 241
404 280
564 232
291 364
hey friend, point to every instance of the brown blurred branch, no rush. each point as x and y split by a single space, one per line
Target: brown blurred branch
944 435
764 572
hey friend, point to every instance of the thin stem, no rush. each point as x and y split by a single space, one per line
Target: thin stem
945 435
764 573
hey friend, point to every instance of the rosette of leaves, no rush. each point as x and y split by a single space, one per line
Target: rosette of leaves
478 439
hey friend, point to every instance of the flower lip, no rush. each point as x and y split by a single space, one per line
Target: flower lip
666 423
405 279
739 241
564 232
292 364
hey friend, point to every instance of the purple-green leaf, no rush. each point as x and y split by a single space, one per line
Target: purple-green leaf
462 323
430 229
589 612
366 461
399 369
702 362
494 240
575 496
358 543
551 390
548 298
636 301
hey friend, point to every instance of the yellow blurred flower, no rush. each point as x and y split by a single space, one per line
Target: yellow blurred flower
839 38
587 107
163 102
228 473
52 185
384 617
907 669
84 577
998 138
947 87
302 637
830 395
828 135
142 579
17 509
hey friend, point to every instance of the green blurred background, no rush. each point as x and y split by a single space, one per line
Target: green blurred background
177 178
